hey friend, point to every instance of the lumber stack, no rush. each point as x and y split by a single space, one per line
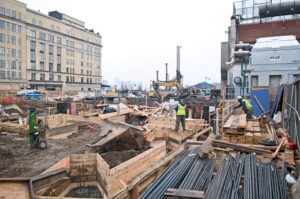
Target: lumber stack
21 129
238 130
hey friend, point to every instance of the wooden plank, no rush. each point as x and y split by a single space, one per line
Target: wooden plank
238 147
229 122
180 193
242 121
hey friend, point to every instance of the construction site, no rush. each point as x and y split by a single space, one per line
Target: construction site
236 139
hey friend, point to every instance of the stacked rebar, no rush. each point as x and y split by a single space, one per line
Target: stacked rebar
175 176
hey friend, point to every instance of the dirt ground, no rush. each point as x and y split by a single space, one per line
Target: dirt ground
114 158
17 159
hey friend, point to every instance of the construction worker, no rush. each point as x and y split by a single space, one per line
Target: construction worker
180 115
246 106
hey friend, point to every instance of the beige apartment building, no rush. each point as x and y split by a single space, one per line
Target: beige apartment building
53 52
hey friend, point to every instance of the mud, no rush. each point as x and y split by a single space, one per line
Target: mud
85 192
17 159
114 158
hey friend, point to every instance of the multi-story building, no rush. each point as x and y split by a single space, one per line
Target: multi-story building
263 45
53 52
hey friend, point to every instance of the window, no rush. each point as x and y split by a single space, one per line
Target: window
42 77
7 12
81 63
2 37
58 77
42 47
32 76
87 72
52 27
50 58
20 75
7 26
50 38
7 64
67 61
13 27
2 24
58 50
42 36
42 66
67 43
14 75
51 77
19 41
67 52
33 21
58 40
67 69
81 71
58 59
13 52
58 68
19 15
67 78
32 56
8 74
81 46
19 65
13 40
8 52
8 39
2 63
50 67
82 55
40 23
42 57
19 29
32 65
13 14
19 53
13 65
2 74
32 33
2 11
50 49
32 45
2 51
57 28
82 79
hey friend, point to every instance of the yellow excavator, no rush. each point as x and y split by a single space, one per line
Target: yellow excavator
170 84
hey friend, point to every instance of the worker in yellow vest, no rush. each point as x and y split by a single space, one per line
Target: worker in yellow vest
246 106
180 115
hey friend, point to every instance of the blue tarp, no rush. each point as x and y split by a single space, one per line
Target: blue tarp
277 98
263 97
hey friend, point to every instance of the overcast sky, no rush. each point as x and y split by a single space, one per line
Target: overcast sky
140 36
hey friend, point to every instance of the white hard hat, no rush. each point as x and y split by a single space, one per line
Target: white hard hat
239 97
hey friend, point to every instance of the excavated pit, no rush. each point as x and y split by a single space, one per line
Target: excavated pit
84 192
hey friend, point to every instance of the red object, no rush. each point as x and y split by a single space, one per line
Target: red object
291 146
91 127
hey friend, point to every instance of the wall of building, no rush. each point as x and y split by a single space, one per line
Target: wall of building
248 33
72 55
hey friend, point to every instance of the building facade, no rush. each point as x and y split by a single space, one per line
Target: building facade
243 62
53 52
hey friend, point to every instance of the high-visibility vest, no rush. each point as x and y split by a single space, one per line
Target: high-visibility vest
181 109
248 105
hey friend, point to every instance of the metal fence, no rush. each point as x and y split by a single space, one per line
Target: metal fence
291 113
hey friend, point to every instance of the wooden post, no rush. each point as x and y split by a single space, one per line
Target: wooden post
146 94
223 106
118 109
217 123
190 113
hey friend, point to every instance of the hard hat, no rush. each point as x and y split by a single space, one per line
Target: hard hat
239 97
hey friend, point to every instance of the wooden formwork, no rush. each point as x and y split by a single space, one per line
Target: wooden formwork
126 180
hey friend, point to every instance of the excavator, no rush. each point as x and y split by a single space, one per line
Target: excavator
169 84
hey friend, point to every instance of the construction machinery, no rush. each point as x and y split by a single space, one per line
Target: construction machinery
169 91
37 131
